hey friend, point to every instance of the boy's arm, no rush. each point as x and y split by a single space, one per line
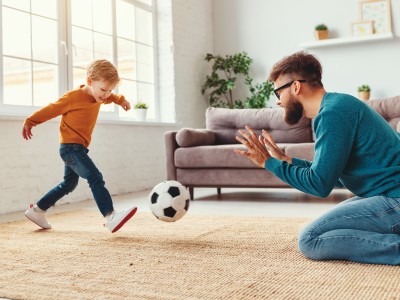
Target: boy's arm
44 114
120 100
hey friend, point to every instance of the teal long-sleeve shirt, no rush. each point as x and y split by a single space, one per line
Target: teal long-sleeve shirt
354 146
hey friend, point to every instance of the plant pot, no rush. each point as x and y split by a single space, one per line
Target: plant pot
321 34
363 96
140 114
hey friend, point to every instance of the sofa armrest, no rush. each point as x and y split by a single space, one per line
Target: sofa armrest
188 137
170 146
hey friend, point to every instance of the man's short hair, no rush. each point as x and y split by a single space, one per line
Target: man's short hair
300 65
102 70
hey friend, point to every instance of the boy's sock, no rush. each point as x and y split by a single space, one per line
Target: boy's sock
38 209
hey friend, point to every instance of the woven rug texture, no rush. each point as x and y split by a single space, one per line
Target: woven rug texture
198 257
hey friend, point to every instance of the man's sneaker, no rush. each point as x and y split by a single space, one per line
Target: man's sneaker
117 220
37 216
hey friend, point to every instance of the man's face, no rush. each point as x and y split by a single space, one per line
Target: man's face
289 101
101 89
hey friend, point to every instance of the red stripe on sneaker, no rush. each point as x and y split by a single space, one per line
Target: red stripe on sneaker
130 215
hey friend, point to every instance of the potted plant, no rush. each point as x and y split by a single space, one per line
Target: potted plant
321 32
364 92
259 93
223 78
140 111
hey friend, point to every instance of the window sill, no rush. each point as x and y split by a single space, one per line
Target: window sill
129 122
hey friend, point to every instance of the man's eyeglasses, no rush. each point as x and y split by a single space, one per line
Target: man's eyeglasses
285 86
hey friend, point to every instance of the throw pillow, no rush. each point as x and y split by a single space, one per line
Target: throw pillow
187 137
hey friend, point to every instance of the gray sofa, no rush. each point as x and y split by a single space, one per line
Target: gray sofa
205 157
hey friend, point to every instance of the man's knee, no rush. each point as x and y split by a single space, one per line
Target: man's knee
307 245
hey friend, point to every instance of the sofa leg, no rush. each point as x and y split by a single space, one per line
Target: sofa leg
191 193
219 191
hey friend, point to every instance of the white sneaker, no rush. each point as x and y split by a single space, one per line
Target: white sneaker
37 217
117 220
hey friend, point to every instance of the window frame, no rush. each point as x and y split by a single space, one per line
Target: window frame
65 60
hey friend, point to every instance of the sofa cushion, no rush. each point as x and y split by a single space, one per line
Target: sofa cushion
302 151
217 156
388 108
187 137
226 122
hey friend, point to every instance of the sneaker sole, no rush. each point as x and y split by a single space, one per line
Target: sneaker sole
37 223
126 219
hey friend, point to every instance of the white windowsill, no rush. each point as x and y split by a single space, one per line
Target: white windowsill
16 117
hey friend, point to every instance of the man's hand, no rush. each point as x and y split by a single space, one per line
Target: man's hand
256 150
272 148
126 105
27 132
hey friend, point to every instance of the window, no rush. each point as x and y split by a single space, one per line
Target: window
39 62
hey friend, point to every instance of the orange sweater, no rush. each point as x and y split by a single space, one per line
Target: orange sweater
79 113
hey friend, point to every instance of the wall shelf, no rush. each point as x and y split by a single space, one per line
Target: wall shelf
347 40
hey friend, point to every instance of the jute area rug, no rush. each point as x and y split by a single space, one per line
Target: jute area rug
197 257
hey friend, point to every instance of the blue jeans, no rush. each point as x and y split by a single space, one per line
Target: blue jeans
365 230
78 164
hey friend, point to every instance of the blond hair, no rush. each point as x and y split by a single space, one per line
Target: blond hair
102 70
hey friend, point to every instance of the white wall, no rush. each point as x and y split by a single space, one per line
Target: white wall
128 159
271 29
131 157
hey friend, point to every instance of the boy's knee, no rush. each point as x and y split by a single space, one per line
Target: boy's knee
71 185
95 178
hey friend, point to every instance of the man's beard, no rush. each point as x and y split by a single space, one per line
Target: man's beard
293 111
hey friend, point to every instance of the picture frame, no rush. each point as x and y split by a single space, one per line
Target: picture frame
361 28
379 12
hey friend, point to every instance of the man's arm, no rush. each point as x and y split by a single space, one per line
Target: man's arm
332 149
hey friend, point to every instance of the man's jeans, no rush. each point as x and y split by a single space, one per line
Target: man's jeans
365 230
78 164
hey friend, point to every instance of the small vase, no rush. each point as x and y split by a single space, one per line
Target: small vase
321 34
363 96
140 114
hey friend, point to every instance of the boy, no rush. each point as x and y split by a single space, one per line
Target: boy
79 109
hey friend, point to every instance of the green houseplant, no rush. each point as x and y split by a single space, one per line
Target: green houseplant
259 93
223 80
364 92
140 111
140 105
321 32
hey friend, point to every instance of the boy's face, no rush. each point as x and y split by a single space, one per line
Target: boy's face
100 89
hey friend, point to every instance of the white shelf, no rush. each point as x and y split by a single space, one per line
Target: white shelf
347 40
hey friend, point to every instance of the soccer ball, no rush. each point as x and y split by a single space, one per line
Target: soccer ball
169 201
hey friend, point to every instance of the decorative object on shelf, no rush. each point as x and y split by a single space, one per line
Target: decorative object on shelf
362 28
140 111
348 40
321 32
364 92
223 80
377 11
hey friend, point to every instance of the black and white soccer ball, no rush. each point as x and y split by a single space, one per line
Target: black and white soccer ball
169 201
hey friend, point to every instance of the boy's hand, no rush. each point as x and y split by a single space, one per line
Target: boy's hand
126 105
27 132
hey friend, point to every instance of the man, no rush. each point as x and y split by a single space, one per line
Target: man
355 147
